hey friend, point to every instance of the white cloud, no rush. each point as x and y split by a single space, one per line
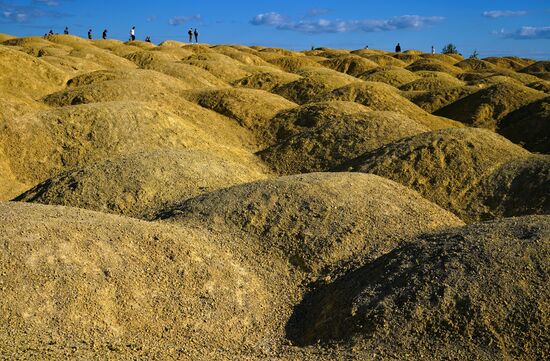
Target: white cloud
526 33
180 20
282 22
151 19
503 13
271 18
23 14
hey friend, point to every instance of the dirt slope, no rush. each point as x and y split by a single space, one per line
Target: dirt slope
477 292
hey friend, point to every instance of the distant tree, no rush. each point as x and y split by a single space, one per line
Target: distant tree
450 49
475 55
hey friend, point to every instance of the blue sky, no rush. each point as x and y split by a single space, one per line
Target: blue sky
519 28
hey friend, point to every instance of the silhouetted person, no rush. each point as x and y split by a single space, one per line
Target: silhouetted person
398 48
104 35
90 34
190 33
196 33
133 33
66 31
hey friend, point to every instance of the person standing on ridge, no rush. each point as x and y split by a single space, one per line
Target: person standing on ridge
398 48
433 50
66 31
104 35
196 33
90 34
190 33
133 33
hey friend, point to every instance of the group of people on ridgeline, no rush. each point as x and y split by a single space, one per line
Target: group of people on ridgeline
192 33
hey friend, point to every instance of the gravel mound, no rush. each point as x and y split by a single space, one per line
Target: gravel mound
383 97
529 126
478 292
487 107
446 166
75 279
141 184
306 142
314 220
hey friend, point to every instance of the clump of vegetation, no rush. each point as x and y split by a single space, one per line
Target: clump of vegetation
475 55
450 49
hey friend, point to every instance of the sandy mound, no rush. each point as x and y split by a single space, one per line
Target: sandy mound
267 80
540 85
117 47
391 75
85 280
115 85
251 108
141 184
433 100
245 57
446 58
310 147
475 65
383 97
540 69
4 37
221 66
488 106
314 220
516 188
476 292
529 126
434 65
384 60
40 145
445 166
351 64
166 63
327 53
314 81
22 75
431 83
178 52
511 63
292 64
407 58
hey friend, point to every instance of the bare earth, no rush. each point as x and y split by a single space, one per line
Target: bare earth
228 202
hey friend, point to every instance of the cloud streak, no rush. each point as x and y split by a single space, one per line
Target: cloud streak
526 33
25 14
503 13
282 22
180 20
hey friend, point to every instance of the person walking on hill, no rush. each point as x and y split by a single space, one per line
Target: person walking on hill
66 31
104 35
133 33
196 33
398 48
90 34
190 33
433 50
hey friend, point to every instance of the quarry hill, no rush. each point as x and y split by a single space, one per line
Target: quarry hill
195 201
